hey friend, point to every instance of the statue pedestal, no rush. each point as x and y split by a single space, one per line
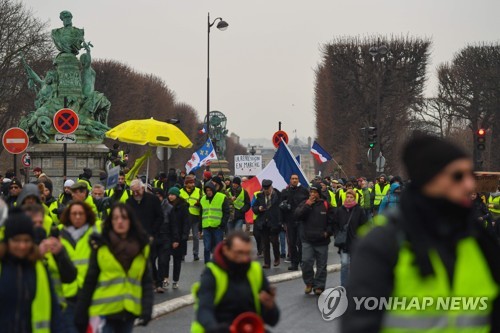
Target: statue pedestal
51 159
220 165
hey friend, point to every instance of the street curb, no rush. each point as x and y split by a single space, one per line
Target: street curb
175 304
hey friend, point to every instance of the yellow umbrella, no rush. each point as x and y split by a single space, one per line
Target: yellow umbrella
150 132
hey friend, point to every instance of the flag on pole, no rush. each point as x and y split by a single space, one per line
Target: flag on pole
201 157
319 153
132 174
203 130
279 170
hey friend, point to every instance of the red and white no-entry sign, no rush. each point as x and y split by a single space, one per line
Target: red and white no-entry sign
66 121
15 140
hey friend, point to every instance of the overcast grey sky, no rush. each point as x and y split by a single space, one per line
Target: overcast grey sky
262 66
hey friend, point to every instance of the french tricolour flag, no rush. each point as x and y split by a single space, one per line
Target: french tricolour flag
319 153
203 130
279 170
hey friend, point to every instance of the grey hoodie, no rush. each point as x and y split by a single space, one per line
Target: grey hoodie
28 190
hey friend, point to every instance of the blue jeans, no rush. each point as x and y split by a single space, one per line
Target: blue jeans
283 243
211 237
235 225
69 318
345 263
118 326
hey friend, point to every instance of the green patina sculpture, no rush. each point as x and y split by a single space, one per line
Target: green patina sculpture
218 132
73 80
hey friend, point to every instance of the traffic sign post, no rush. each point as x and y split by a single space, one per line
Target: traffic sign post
66 122
26 160
15 140
278 136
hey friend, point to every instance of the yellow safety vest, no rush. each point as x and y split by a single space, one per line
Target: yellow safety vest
212 211
56 277
379 194
343 195
79 255
333 201
158 184
118 290
494 201
192 198
240 200
255 279
123 198
472 279
41 307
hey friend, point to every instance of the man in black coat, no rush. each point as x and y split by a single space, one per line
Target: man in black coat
269 221
292 197
316 228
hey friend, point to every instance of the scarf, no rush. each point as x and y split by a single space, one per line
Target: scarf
75 233
124 249
350 205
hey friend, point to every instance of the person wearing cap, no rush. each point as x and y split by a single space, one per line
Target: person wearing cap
348 218
432 248
173 235
241 202
316 228
328 194
29 302
15 188
207 176
214 217
37 172
269 221
192 195
66 196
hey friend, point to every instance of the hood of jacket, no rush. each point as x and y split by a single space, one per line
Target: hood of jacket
394 187
28 190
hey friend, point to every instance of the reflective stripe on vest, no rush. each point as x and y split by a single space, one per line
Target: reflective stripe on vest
117 290
472 278
379 194
41 307
56 278
212 211
124 197
240 200
255 279
192 199
79 255
494 201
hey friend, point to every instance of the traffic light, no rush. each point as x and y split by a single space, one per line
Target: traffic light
481 139
372 137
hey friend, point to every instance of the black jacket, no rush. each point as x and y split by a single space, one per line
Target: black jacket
238 298
316 220
177 229
341 218
480 212
294 196
149 212
426 224
90 285
17 292
271 216
239 214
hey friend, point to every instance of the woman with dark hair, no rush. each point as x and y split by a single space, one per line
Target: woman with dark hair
78 223
174 235
28 302
117 287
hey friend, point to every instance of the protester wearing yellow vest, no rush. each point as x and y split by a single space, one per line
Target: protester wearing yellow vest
431 251
214 217
221 294
241 202
118 283
192 195
381 189
78 223
28 300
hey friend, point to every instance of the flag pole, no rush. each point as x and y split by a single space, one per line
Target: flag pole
342 170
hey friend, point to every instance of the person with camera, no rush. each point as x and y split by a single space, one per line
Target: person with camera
316 228
292 197
267 209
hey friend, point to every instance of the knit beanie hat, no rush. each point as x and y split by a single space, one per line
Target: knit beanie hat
207 175
426 156
217 180
174 191
237 180
18 223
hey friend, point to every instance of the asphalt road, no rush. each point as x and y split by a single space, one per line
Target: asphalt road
191 271
299 312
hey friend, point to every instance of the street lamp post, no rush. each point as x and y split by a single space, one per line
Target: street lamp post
222 25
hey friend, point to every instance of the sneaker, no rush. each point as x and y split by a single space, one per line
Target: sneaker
175 285
318 291
288 260
196 258
293 268
159 290
308 289
165 284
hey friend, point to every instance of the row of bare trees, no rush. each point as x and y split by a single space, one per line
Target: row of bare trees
355 89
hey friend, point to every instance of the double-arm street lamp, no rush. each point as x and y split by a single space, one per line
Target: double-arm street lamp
221 25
